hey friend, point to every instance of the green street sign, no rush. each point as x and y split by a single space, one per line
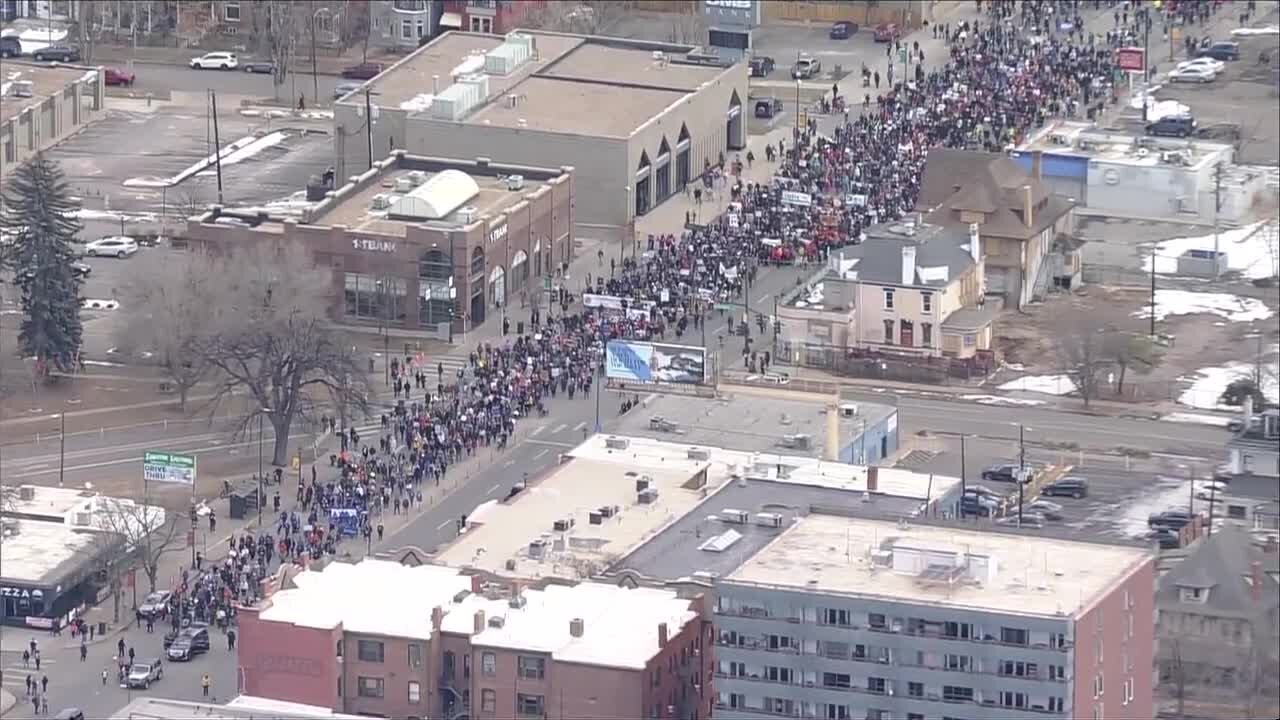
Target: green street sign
164 467
725 306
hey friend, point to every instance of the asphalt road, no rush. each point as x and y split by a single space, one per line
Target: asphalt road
158 78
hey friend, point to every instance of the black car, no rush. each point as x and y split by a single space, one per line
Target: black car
766 108
1224 51
1007 473
10 46
1166 539
1173 125
843 30
78 269
1073 487
1170 519
362 71
761 66
56 53
260 67
69 714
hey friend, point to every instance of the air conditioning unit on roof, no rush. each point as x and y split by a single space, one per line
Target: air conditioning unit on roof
515 182
403 185
381 201
468 214
417 177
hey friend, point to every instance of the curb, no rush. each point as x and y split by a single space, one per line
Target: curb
111 633
110 58
7 701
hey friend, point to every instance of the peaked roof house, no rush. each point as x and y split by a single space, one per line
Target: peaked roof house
1218 627
1018 216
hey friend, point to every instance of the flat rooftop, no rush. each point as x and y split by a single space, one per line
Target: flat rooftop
46 80
1083 140
613 63
37 502
578 108
1011 573
242 708
619 625
41 553
755 419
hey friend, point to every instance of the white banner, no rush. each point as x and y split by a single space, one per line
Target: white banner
792 197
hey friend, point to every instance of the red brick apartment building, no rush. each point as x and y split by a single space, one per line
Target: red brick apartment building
383 639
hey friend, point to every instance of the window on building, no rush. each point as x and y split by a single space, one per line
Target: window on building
877 620
529 705
836 680
488 664
926 334
1009 698
915 716
371 687
1194 595
370 297
231 11
1055 705
1097 685
420 28
1013 636
926 302
339 648
489 700
369 651
970 340
876 685
958 662
835 616
957 692
415 692
888 332
406 29
888 299
415 655
531 667
915 689
832 711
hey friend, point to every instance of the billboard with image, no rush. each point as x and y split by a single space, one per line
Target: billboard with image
655 363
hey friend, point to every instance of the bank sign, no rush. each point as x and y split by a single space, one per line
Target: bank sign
165 467
732 13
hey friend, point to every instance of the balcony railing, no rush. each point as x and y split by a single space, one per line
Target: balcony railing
796 713
891 629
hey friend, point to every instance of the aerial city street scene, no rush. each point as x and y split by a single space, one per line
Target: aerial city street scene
639 359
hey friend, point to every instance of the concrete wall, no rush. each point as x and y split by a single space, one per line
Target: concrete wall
874 444
43 126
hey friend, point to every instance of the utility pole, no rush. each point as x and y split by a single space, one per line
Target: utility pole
1146 68
217 143
963 475
62 447
1022 468
1217 206
368 125
1154 250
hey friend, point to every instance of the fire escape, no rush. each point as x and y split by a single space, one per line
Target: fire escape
455 693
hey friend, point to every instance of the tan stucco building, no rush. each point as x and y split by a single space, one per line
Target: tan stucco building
41 105
636 120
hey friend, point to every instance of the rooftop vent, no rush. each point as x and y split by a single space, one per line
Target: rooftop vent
562 525
648 496
721 542
381 201
27 492
497 621
403 185
515 182
768 519
537 548
848 410
616 443
417 177
699 454
468 214
738 517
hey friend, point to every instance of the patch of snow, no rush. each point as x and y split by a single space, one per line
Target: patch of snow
418 103
1208 383
1044 384
1268 30
238 151
1016 367
998 400
293 205
89 304
34 39
1157 109
1197 419
1248 252
1186 302
102 363
258 145
86 214
1130 516
316 114
251 112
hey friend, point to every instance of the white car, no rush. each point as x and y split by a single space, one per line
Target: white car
1196 74
1207 62
215 61
118 246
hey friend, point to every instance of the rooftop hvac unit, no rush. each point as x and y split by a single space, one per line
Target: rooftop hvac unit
848 410
82 519
537 548
515 182
468 214
381 201
737 517
497 621
608 510
505 58
700 454
417 177
648 496
657 55
770 520
595 518
27 492
642 483
403 185
562 525
22 88
616 443
517 601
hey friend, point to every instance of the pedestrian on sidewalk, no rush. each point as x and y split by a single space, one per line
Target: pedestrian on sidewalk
204 685
44 704
26 658
44 683
36 657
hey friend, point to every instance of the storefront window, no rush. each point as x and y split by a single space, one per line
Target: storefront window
434 274
370 297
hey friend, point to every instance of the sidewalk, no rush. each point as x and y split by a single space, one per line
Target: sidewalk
7 700
324 65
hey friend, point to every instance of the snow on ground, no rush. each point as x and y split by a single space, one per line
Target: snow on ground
1268 30
1208 383
89 304
247 152
1157 109
1248 250
291 206
1197 419
102 363
1044 384
1130 516
418 103
238 151
998 400
34 39
137 217
1186 302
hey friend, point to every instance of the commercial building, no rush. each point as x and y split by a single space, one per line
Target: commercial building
1020 218
906 13
244 707
907 288
424 244
41 105
384 639
1254 449
841 617
637 120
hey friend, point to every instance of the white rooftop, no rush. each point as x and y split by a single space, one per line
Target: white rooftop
51 502
1085 140
373 597
1010 573
86 510
619 625
499 535
282 708
32 549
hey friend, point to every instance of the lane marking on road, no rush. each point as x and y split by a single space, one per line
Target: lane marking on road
508 463
37 466
763 298
537 431
651 398
559 428
442 525
494 489
551 443
579 426
541 452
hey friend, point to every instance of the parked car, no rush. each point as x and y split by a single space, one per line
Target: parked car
843 30
142 674
170 637
767 107
1170 519
189 643
1195 74
1071 486
983 490
362 71
1220 51
155 605
805 68
78 269
262 67
761 66
1008 472
57 53
1208 62
980 505
346 88
1173 125
118 246
215 61
1166 539
1028 520
10 46
69 714
116 76
887 32
1047 509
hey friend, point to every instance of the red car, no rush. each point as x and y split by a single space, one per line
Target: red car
887 32
115 76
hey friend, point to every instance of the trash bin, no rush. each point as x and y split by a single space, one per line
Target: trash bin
520 327
102 629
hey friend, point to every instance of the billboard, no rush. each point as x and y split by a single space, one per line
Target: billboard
1131 59
165 467
655 363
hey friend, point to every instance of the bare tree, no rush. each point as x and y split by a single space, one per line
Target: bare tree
270 340
169 314
590 17
147 531
275 28
357 28
1178 674
687 28
1130 349
1082 353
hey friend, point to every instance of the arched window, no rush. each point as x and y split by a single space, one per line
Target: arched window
477 261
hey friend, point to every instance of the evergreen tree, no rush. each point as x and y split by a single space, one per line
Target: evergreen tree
39 220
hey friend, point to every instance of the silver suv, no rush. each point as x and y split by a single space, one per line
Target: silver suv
142 674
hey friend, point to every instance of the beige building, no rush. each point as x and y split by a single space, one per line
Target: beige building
40 105
635 119
907 288
1018 216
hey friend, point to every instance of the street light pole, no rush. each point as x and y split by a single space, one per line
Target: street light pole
1022 468
62 446
261 432
599 382
963 473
